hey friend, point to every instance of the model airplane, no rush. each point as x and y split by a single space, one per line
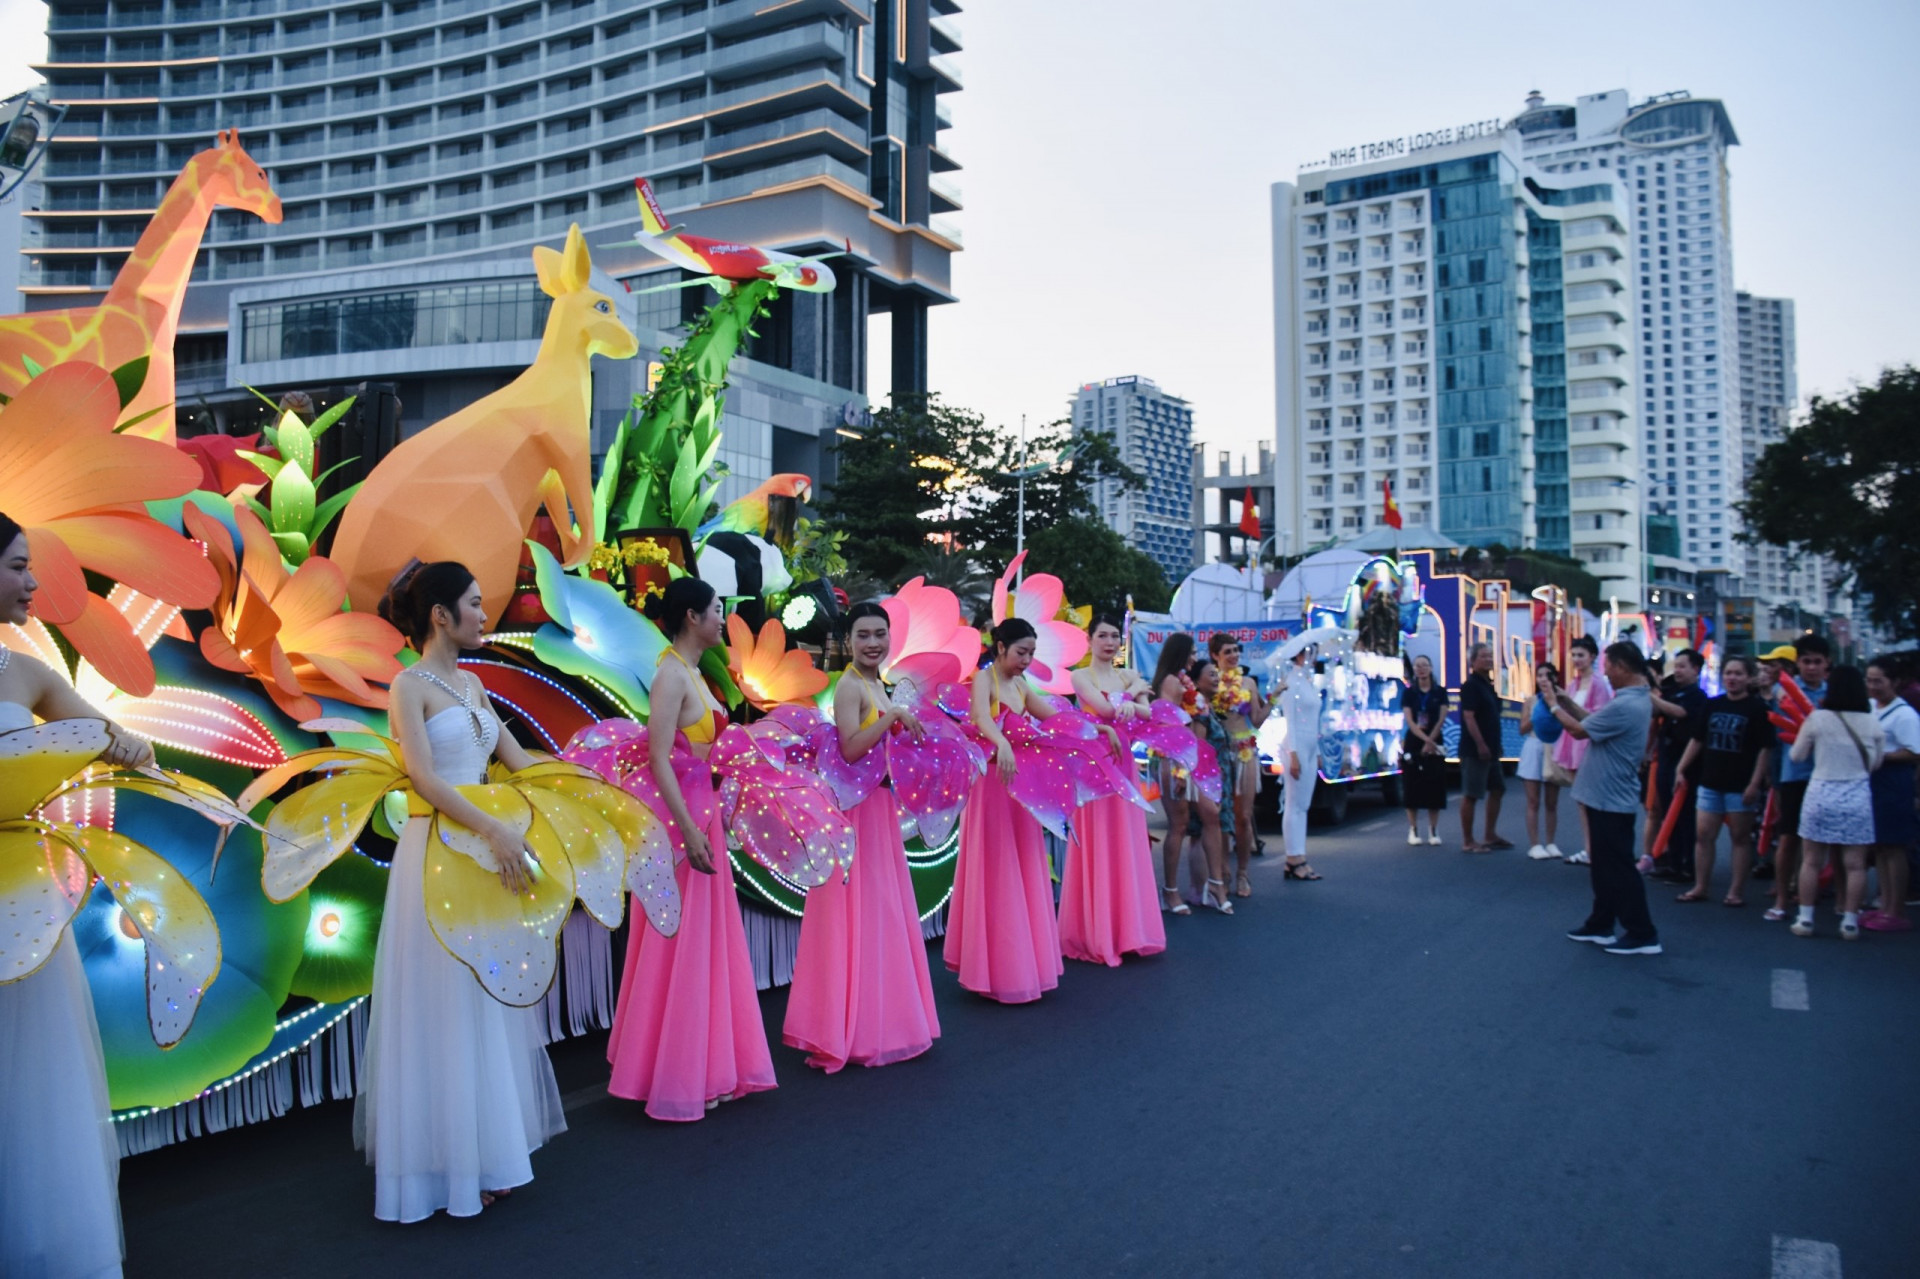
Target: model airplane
723 264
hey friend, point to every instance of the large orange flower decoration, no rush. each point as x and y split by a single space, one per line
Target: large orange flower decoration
288 630
80 492
763 668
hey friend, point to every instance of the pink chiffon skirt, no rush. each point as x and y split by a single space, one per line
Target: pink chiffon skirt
687 1029
1109 902
861 992
1001 936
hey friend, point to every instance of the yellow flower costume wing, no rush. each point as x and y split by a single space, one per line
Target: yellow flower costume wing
183 942
508 941
580 829
46 868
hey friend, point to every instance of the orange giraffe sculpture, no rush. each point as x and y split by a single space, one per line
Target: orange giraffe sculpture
467 488
141 311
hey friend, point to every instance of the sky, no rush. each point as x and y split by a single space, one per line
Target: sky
1118 156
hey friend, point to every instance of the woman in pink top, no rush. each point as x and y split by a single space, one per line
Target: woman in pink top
1589 688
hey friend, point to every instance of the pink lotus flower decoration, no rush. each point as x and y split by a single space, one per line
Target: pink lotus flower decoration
1038 600
932 643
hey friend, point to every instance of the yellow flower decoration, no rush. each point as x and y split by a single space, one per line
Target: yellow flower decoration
580 829
47 867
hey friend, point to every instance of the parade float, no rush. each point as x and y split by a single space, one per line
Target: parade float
205 595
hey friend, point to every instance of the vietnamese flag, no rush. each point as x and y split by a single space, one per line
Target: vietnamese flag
1249 515
1391 514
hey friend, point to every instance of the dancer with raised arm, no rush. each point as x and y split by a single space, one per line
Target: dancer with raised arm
1107 906
861 990
687 1033
456 1092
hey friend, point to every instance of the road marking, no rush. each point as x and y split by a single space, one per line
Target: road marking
1790 993
1379 825
1805 1259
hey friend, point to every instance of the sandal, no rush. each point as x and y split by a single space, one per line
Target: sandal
1178 907
1692 895
1222 905
1301 870
1731 900
1774 915
1242 886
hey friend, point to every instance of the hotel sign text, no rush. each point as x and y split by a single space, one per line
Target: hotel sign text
1367 152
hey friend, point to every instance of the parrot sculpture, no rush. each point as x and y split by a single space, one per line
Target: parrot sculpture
752 513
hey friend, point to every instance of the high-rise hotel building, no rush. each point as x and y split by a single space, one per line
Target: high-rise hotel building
422 147
1782 583
1668 156
1450 319
1154 433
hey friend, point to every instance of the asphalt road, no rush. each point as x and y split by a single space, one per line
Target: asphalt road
1405 1069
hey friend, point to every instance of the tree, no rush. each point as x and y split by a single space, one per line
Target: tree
1845 484
903 483
1098 567
1055 496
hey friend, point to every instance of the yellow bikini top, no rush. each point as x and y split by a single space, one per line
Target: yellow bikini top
703 730
871 716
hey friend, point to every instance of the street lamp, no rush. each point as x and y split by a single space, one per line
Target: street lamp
1025 473
27 122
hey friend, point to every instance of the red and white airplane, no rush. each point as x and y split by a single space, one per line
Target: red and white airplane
723 264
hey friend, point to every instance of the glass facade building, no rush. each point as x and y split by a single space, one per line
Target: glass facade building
415 135
1457 328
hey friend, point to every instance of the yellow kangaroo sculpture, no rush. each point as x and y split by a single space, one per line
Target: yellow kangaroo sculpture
467 488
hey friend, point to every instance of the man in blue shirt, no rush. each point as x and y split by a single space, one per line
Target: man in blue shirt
1607 788
1811 656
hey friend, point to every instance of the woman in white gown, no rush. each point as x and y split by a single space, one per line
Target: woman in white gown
456 1091
59 1157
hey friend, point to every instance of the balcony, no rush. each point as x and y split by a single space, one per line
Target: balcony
809 44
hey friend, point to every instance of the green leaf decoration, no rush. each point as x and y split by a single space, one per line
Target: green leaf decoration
35 369
332 415
324 514
130 377
293 499
138 418
293 547
271 465
605 487
686 476
295 442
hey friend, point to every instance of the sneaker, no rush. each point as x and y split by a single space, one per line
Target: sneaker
1588 933
1539 853
1635 946
1433 841
1553 850
1849 931
1578 859
1802 928
1413 838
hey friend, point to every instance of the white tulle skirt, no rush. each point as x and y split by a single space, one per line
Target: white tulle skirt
456 1091
59 1158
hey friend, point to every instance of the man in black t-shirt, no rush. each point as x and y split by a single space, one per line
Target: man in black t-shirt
1480 771
1732 745
1679 707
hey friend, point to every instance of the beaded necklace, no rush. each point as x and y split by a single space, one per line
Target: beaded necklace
464 698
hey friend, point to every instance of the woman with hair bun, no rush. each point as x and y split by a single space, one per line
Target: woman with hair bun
861 990
1108 907
456 1091
687 1033
1002 938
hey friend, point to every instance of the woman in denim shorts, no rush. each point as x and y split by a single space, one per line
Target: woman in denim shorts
1734 743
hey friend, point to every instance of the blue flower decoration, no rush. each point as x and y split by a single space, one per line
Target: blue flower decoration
595 634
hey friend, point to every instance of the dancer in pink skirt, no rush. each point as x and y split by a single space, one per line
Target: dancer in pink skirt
687 1032
861 992
1108 903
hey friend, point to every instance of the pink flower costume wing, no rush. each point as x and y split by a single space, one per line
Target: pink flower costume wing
931 777
1109 898
773 799
616 749
1038 599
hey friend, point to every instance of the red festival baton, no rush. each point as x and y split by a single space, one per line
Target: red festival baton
1674 806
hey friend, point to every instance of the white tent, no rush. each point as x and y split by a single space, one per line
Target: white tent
1217 593
1324 575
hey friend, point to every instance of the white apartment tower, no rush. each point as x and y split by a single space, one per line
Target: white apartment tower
1451 319
1154 433
1669 156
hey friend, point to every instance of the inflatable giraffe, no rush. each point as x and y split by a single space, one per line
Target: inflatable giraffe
467 488
141 311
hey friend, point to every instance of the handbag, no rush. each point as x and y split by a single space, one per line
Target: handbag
1554 773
